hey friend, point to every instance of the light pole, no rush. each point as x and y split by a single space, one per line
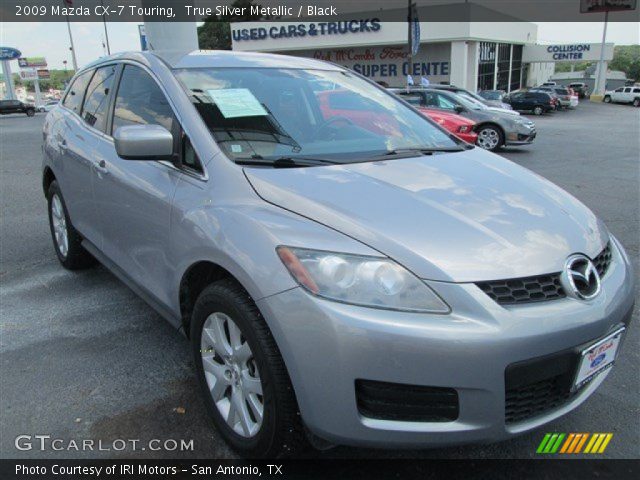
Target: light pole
106 34
73 50
601 78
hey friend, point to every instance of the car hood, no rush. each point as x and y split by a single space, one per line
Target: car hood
459 217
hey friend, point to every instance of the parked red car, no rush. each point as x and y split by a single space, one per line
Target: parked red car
461 127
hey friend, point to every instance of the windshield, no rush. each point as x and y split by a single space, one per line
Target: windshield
267 113
470 102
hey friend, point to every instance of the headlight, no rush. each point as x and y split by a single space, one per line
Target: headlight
360 280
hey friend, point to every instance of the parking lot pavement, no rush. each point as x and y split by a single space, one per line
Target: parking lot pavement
81 357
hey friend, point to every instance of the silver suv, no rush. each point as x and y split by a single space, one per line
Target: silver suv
346 270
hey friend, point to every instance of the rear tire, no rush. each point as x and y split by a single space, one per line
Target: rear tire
67 242
606 99
636 102
538 110
222 308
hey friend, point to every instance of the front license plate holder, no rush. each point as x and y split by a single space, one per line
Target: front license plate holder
597 358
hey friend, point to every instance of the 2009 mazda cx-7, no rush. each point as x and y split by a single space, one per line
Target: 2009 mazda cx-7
347 271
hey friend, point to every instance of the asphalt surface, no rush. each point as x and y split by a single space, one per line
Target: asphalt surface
82 357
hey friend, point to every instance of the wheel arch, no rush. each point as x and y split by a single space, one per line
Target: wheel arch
194 280
47 179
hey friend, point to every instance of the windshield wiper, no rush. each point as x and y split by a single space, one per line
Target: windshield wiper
284 162
425 150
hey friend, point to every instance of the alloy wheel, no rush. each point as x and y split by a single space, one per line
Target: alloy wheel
537 111
59 222
488 138
232 374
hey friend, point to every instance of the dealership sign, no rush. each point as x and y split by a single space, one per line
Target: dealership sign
8 53
595 6
574 52
390 64
313 29
32 62
28 75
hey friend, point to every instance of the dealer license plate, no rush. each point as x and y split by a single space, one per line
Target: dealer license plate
597 358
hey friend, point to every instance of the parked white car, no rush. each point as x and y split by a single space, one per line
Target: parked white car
623 95
47 107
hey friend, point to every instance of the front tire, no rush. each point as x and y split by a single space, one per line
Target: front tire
606 99
66 239
636 102
490 138
31 113
245 384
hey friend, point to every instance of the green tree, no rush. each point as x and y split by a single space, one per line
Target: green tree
215 32
627 59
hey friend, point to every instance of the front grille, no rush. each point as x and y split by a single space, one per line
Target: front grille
536 386
535 399
524 290
538 288
413 403
603 260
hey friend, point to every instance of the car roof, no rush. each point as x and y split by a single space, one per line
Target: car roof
219 58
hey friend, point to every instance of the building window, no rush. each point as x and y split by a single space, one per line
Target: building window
516 68
487 65
504 55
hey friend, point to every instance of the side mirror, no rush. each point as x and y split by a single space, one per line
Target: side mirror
459 108
143 142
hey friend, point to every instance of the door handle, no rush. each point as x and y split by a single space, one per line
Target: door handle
62 144
101 167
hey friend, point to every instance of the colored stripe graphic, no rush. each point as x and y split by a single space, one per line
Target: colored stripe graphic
598 443
573 443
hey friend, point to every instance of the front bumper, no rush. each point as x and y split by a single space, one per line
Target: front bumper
521 136
327 346
470 137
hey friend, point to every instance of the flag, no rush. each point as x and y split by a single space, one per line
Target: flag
424 82
414 30
410 80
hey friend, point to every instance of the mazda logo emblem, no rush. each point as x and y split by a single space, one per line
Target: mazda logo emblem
582 277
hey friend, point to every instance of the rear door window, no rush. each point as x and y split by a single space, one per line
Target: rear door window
94 110
75 95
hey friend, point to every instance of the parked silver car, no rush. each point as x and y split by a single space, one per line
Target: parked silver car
347 271
495 129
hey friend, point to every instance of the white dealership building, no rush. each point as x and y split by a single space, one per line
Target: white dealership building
474 55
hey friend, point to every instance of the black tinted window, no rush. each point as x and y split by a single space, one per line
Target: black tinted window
73 99
94 110
189 156
140 101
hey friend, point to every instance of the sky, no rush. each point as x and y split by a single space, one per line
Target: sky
51 40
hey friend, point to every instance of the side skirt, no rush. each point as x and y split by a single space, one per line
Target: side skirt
137 289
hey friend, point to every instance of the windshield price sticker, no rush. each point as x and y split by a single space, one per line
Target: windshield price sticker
237 102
